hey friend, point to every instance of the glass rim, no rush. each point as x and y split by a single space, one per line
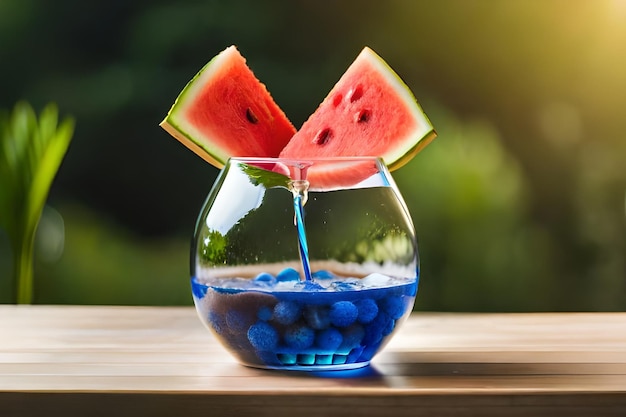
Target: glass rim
322 174
270 159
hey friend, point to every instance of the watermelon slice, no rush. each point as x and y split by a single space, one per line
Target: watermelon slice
226 111
369 112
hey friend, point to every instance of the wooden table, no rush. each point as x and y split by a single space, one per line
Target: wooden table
160 361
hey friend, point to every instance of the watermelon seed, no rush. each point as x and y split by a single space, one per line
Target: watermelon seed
337 99
355 93
362 116
323 136
251 116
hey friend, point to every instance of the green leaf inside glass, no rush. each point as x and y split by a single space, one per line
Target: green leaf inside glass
265 177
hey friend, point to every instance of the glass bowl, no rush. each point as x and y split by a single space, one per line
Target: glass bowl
304 264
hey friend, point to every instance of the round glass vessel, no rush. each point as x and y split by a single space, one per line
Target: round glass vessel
304 264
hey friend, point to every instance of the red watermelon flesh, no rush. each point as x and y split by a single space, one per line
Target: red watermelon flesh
226 111
322 174
369 112
338 172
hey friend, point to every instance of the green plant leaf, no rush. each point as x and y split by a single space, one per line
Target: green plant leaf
264 177
31 151
52 153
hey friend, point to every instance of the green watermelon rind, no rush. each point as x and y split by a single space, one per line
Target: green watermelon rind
206 142
418 139
174 123
202 143
402 149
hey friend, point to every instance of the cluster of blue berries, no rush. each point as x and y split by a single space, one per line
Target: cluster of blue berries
305 328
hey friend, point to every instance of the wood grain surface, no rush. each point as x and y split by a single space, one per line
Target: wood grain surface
161 361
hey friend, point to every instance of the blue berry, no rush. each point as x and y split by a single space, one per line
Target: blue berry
323 274
299 337
263 336
265 313
287 312
368 309
288 274
374 330
329 339
343 313
265 278
394 306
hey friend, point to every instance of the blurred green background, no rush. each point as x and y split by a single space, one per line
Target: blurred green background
519 204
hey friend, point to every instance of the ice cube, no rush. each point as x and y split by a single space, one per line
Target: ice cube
375 280
308 286
346 285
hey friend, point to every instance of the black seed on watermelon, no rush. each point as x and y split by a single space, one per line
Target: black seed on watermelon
362 116
355 93
395 128
323 136
251 116
208 119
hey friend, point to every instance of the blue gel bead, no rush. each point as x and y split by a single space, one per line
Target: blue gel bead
265 313
288 274
352 336
263 336
368 309
329 339
287 312
393 306
323 274
318 317
374 330
299 337
343 313
265 278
